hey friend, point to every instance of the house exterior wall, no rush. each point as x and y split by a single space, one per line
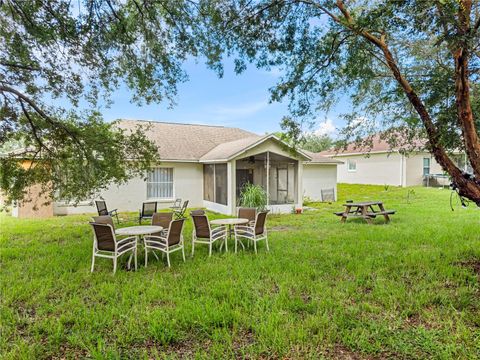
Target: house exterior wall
415 168
377 169
317 177
34 206
187 185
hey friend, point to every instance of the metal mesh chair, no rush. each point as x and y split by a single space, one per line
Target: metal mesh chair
180 213
254 233
204 234
106 245
147 211
170 242
102 209
247 213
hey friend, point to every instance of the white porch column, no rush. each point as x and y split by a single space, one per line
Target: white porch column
299 180
231 193
268 178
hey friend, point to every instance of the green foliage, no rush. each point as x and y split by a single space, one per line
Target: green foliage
59 56
253 196
316 143
323 60
404 290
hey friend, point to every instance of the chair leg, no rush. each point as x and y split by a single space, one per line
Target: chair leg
236 242
266 242
93 263
114 264
135 258
255 245
146 256
183 253
210 249
168 259
193 246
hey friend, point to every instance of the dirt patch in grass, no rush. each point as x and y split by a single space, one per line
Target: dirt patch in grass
473 264
243 340
182 349
67 351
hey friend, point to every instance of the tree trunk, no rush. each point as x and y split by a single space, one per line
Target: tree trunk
462 89
469 188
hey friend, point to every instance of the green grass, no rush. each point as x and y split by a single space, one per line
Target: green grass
403 290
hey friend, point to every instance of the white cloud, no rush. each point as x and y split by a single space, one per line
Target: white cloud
325 128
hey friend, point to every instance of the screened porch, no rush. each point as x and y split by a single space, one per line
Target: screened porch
277 174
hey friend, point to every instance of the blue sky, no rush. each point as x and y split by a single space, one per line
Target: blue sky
234 100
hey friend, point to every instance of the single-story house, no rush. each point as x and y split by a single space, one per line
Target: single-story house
208 165
380 164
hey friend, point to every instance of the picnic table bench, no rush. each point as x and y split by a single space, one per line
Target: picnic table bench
364 210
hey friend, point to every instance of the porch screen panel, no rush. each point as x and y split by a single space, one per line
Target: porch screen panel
221 184
160 183
208 182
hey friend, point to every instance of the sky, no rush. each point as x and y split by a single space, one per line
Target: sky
234 100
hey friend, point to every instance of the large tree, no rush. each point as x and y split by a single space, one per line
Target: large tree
410 68
60 60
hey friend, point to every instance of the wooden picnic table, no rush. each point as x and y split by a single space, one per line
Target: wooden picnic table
365 210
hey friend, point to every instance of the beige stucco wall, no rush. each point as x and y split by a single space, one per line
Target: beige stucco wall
34 206
187 184
415 168
377 169
317 177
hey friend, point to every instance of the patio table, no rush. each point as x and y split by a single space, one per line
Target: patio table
364 210
138 231
230 222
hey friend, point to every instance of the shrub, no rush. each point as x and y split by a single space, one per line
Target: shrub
253 196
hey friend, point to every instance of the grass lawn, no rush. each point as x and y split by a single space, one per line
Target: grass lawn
409 289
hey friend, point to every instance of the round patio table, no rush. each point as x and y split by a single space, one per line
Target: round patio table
230 222
138 231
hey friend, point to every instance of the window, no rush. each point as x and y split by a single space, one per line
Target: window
426 166
351 165
221 184
215 183
160 183
208 183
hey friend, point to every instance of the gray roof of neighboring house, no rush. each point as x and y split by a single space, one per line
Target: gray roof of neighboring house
318 158
191 142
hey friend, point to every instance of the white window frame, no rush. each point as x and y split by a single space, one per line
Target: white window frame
162 182
350 162
429 166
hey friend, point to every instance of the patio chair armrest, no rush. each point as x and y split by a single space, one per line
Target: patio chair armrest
155 237
126 240
219 232
244 228
219 228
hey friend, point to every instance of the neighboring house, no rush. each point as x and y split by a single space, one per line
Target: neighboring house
208 165
382 165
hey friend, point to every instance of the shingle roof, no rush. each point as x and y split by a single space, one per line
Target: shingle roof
318 158
378 144
228 149
191 142
186 142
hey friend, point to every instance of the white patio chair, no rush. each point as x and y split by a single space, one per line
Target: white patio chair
169 243
254 233
204 234
106 244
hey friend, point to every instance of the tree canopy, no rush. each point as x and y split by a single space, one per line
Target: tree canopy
410 68
59 63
